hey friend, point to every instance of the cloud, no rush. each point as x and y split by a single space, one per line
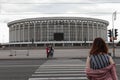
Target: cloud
44 1
59 1
19 9
98 9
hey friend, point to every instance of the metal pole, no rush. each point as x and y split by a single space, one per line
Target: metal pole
113 34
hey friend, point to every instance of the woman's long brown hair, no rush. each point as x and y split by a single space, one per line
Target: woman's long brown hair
99 46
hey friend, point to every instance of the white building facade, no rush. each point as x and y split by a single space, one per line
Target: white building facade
57 30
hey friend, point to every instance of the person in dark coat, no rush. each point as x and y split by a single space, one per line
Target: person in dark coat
51 51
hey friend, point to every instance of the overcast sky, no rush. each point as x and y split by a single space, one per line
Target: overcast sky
19 9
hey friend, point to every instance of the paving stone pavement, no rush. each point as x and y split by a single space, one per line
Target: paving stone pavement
60 69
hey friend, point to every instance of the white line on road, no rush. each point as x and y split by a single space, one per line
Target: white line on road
69 65
45 75
59 72
60 78
60 69
19 65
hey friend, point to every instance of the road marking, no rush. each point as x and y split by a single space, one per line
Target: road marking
42 72
60 71
57 75
62 67
39 65
60 78
66 65
19 65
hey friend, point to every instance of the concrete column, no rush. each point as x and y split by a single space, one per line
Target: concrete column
80 44
106 33
12 38
15 32
53 44
19 33
82 30
76 33
34 32
102 32
97 30
100 29
11 31
62 27
54 26
28 32
88 30
69 30
47 31
72 44
23 32
9 34
93 29
35 45
63 44
41 31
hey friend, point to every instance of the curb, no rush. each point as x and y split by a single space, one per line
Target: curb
42 58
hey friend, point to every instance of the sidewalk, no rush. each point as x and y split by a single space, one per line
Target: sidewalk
21 54
41 54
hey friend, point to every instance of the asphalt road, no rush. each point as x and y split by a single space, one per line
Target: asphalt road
18 69
23 69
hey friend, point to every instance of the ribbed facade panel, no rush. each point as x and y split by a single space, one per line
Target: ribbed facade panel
46 29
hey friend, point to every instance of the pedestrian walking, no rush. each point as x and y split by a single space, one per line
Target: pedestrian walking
99 64
51 51
47 51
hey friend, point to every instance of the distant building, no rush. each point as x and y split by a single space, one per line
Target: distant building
59 31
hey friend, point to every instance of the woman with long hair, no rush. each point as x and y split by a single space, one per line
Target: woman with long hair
100 65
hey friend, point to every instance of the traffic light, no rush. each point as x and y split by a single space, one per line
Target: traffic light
116 32
109 33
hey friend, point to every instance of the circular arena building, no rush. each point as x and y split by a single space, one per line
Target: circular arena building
58 31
